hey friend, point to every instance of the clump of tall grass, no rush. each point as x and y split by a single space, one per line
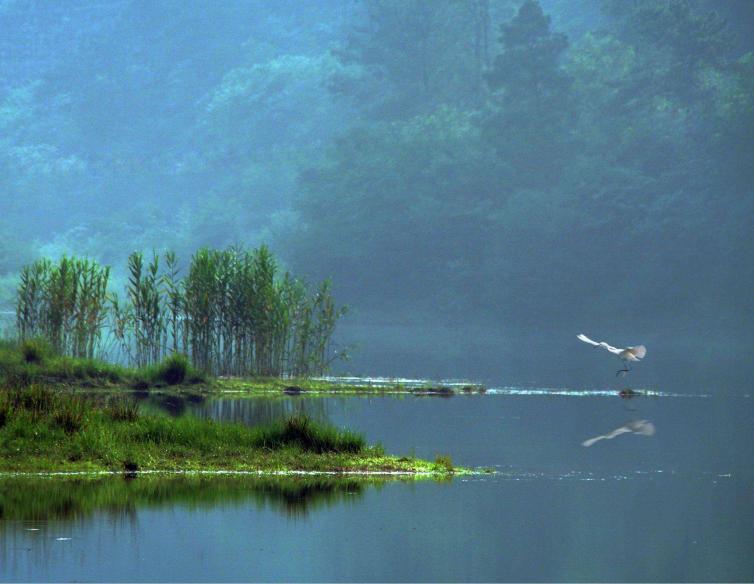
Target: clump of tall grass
35 351
38 402
300 432
444 462
122 409
173 370
232 314
69 413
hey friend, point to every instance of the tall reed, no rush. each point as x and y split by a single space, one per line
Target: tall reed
65 303
232 314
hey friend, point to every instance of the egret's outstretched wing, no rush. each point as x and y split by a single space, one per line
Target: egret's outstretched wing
603 344
613 350
583 337
638 351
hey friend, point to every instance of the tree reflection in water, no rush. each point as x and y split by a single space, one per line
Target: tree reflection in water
34 499
250 411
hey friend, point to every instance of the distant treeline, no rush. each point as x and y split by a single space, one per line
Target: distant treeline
231 314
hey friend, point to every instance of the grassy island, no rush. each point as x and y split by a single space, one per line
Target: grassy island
44 430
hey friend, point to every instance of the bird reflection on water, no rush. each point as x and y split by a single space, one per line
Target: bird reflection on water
640 427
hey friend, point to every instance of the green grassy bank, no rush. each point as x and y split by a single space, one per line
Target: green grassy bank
52 430
314 386
34 361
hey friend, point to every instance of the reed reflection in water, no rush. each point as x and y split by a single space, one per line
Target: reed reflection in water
249 411
34 499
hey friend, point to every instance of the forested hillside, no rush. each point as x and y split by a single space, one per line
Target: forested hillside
507 165
610 172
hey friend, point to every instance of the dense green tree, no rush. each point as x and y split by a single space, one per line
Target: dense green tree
586 178
405 203
675 42
409 55
532 103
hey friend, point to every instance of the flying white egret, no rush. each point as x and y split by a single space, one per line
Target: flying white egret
628 354
640 427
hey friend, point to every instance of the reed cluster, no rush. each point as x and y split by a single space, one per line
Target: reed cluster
232 314
64 303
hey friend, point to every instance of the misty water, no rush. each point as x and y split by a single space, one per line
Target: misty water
673 506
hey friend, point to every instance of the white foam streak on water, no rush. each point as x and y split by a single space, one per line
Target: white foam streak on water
554 391
517 475
392 381
502 390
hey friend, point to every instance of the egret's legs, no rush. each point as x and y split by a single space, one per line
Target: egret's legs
624 371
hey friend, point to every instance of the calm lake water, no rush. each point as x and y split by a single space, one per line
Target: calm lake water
674 506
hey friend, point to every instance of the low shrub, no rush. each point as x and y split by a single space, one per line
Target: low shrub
69 413
300 431
35 351
36 399
444 462
174 370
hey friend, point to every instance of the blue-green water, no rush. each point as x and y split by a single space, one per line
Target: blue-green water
674 506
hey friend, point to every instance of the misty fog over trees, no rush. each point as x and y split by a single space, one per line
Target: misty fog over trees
495 169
